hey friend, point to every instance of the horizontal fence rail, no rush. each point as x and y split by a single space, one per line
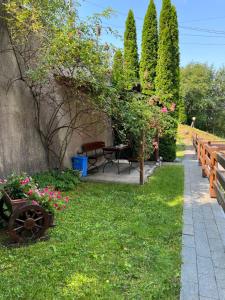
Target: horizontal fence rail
211 155
219 182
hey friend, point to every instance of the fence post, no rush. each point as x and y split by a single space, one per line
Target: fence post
212 177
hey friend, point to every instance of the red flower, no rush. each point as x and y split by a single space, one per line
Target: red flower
30 192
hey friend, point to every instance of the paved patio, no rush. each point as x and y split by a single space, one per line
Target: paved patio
111 173
203 241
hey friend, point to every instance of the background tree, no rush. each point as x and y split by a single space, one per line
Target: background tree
203 94
131 64
196 91
217 126
117 71
149 54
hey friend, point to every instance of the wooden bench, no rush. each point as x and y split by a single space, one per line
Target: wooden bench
94 152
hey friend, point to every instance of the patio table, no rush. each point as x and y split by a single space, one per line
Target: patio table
112 155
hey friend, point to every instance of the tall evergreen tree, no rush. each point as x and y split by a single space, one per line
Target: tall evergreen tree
168 74
117 71
131 64
176 55
149 50
165 68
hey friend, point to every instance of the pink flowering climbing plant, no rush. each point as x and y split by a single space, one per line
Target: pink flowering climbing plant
164 110
171 109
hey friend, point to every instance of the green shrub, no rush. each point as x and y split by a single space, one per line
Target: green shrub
65 180
167 148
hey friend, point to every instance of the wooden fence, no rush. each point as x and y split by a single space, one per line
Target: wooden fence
211 157
219 182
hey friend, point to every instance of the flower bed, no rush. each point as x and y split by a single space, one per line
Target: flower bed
26 210
24 187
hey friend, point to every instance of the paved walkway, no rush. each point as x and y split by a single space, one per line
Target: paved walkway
111 173
203 252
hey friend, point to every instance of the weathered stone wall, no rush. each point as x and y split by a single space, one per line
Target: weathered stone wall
20 145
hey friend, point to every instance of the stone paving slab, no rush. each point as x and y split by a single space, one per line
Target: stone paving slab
127 175
203 240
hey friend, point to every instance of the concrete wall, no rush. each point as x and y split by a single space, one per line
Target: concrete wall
20 145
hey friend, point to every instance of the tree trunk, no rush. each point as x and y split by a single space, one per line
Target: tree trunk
141 159
157 147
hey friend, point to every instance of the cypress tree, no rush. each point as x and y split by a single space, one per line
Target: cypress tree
117 71
168 70
131 65
167 78
165 68
149 50
176 55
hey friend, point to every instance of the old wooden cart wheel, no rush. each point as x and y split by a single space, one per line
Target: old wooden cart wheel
5 210
28 223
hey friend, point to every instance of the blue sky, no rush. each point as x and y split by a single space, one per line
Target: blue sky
202 25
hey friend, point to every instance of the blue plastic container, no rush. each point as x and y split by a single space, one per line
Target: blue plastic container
80 163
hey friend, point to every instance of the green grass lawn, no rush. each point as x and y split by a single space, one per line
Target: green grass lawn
180 148
112 242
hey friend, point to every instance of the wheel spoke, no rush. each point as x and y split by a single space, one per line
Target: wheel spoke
19 220
38 226
40 218
33 214
27 214
20 227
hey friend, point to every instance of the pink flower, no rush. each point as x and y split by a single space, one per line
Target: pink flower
34 202
67 199
164 110
3 181
25 181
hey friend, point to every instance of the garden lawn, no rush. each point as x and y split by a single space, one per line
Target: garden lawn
112 242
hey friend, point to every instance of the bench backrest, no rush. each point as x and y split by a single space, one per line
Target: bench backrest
92 146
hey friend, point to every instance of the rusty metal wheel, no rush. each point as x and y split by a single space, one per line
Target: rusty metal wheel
5 209
28 223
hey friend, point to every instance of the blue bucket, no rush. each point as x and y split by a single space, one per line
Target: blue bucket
80 163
